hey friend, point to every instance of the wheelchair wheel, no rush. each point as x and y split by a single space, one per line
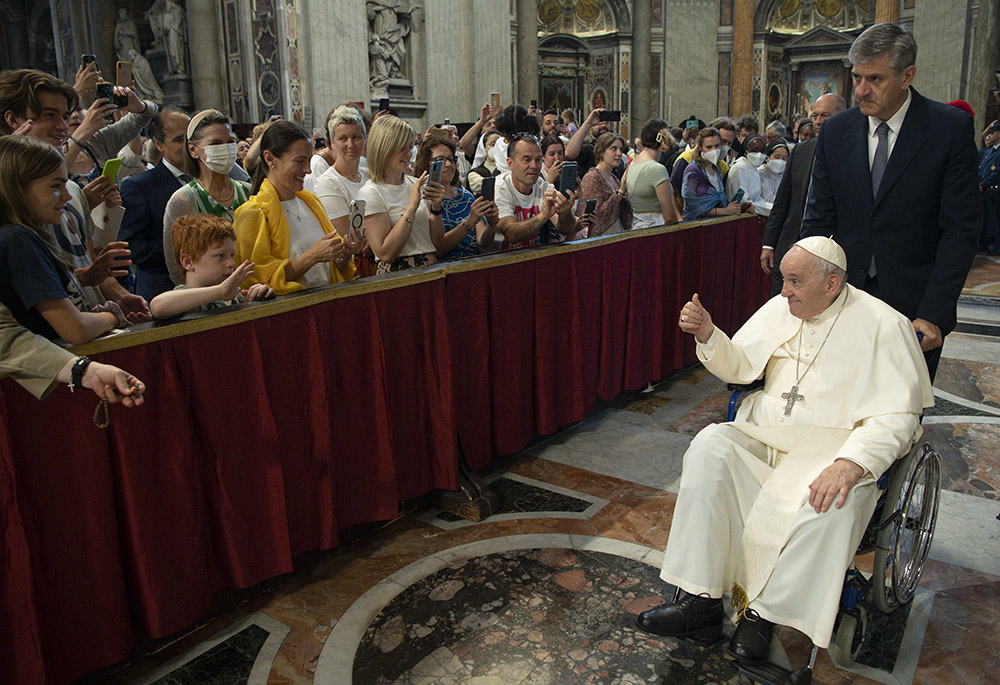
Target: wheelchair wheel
848 637
907 527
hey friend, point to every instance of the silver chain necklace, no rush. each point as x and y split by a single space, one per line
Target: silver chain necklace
792 395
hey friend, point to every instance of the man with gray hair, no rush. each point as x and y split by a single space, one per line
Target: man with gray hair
774 130
772 505
894 182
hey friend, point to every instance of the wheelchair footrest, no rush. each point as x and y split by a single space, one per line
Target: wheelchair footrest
772 674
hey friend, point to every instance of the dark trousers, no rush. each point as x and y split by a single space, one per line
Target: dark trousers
932 357
989 239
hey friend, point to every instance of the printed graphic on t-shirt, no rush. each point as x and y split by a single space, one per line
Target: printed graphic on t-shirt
545 235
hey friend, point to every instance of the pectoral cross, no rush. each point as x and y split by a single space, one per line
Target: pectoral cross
792 396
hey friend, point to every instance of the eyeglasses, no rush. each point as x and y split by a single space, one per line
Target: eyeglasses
453 159
523 136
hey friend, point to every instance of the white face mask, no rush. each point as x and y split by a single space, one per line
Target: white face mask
712 156
777 165
756 158
220 158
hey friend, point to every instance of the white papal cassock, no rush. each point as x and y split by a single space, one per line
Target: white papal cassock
742 517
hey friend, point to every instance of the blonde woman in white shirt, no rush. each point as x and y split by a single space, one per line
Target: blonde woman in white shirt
341 184
403 222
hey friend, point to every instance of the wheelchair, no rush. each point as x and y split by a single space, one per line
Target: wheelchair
900 532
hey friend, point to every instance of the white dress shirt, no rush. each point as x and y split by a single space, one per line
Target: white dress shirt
895 123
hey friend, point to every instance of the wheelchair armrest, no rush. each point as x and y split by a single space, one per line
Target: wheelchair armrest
756 385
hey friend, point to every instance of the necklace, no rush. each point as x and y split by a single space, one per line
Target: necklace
793 396
294 202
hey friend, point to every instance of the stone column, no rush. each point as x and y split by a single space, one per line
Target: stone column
741 80
887 10
527 51
208 61
642 63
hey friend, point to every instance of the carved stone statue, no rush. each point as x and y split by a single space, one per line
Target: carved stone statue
169 24
142 74
126 35
389 23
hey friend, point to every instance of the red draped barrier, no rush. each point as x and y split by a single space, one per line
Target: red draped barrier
268 430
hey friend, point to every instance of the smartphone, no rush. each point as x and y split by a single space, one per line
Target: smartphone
356 223
87 59
738 197
495 99
111 168
590 206
567 179
610 115
437 166
691 122
383 104
447 122
488 190
534 103
105 90
123 74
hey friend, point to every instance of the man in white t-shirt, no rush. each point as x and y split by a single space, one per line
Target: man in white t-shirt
528 204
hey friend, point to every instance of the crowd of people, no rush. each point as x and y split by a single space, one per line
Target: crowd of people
114 248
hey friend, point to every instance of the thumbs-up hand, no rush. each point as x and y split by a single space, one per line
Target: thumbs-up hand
696 320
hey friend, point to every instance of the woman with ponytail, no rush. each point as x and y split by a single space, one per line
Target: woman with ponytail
284 229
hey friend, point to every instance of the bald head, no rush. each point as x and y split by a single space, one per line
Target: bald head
824 108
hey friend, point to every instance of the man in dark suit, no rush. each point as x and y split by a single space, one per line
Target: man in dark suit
145 197
894 182
989 188
785 221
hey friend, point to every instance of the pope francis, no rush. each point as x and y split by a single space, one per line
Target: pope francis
845 384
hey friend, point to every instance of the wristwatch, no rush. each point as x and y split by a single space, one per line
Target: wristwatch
435 212
76 373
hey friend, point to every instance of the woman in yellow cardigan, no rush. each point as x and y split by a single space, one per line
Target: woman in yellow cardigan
282 228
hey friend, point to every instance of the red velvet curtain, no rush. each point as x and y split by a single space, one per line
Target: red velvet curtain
263 439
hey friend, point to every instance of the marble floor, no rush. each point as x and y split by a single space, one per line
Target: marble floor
546 590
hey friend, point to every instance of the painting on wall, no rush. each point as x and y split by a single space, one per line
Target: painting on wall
557 93
817 80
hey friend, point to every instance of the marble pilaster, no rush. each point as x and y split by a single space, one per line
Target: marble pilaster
741 82
208 63
527 51
642 64
887 10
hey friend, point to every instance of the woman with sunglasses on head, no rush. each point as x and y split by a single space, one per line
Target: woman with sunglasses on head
41 291
284 229
469 222
211 154
403 221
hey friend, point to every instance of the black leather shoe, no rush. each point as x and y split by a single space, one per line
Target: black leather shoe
752 640
693 616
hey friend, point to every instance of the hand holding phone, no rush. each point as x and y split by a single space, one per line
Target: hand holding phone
567 178
591 206
610 115
356 221
738 197
495 100
488 189
437 166
383 104
111 168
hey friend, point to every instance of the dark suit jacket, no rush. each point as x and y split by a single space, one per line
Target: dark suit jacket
922 227
785 221
145 197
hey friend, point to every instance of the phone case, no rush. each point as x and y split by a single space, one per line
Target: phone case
488 190
435 171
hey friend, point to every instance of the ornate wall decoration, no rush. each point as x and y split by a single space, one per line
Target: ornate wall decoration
264 26
576 17
62 21
758 86
238 104
799 16
294 71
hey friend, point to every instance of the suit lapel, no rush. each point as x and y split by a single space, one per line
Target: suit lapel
856 149
910 140
166 177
